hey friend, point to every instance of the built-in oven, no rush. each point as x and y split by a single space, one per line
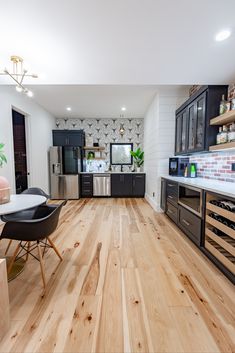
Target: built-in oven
191 198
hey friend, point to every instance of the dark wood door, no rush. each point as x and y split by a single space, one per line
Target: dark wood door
200 108
181 132
138 185
20 152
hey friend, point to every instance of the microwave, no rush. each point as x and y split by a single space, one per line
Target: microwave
177 165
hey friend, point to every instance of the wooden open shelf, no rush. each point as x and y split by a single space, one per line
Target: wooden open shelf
223 146
222 246
93 148
224 119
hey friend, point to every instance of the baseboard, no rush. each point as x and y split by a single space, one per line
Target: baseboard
153 203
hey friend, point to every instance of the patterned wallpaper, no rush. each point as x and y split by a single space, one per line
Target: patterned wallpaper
105 131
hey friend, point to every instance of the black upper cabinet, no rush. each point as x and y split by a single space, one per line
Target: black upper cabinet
181 132
193 130
72 138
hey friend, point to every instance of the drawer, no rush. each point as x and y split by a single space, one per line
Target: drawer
87 183
173 199
87 192
191 225
172 188
172 212
86 177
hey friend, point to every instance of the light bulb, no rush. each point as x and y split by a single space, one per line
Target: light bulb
222 35
69 109
123 109
19 89
29 94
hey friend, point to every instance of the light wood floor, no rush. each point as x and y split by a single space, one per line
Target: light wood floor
129 282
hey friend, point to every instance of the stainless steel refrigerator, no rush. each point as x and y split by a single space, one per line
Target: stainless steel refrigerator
65 165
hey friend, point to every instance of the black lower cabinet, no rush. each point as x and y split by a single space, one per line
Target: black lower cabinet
128 185
138 185
86 185
191 225
121 185
172 212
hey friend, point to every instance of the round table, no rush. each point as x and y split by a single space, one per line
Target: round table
21 202
18 203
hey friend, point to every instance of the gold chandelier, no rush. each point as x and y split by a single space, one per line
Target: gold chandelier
18 74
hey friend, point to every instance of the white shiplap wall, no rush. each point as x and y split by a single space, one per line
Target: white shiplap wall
159 140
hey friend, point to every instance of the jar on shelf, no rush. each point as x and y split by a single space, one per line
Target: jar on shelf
233 104
224 135
231 133
218 137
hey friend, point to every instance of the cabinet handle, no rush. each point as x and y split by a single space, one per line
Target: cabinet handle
169 211
170 197
170 185
185 222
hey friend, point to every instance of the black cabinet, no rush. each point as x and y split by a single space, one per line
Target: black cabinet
121 185
193 131
72 138
138 185
163 195
191 225
86 185
127 185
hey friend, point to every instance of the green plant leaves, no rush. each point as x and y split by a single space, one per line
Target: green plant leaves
3 158
138 155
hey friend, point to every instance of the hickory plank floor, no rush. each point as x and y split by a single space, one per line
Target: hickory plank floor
130 281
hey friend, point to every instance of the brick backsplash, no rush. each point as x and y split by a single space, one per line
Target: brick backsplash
215 165
231 90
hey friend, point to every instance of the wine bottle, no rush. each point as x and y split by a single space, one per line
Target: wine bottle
228 205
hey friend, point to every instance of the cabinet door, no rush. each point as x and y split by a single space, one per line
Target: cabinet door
184 126
75 138
191 127
163 195
200 122
138 185
121 185
60 138
178 134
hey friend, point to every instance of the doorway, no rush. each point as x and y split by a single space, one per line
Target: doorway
20 153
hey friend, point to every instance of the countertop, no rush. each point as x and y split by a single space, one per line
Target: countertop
220 187
111 173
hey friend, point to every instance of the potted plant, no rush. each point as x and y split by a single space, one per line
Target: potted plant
4 184
138 155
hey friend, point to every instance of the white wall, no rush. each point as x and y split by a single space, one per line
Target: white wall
39 136
159 140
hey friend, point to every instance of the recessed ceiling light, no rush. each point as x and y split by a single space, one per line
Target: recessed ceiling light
220 36
123 109
68 109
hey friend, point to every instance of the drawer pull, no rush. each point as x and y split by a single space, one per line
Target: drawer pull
170 197
185 222
170 185
170 211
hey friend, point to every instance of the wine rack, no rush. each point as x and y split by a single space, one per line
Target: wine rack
219 236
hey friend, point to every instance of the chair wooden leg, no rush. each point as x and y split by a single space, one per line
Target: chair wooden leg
13 258
41 265
8 247
55 248
28 248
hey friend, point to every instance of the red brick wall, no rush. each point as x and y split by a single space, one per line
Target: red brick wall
215 165
231 90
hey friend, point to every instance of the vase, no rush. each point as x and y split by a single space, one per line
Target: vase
4 190
138 169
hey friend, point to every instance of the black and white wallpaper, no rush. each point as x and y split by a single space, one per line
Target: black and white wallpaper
106 131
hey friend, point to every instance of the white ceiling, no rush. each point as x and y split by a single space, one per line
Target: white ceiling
120 41
103 101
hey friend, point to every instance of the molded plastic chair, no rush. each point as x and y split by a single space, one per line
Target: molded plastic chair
26 214
35 230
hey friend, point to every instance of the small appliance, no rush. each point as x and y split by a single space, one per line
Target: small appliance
177 166
190 170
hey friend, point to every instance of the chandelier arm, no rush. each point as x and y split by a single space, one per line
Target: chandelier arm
18 83
22 78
